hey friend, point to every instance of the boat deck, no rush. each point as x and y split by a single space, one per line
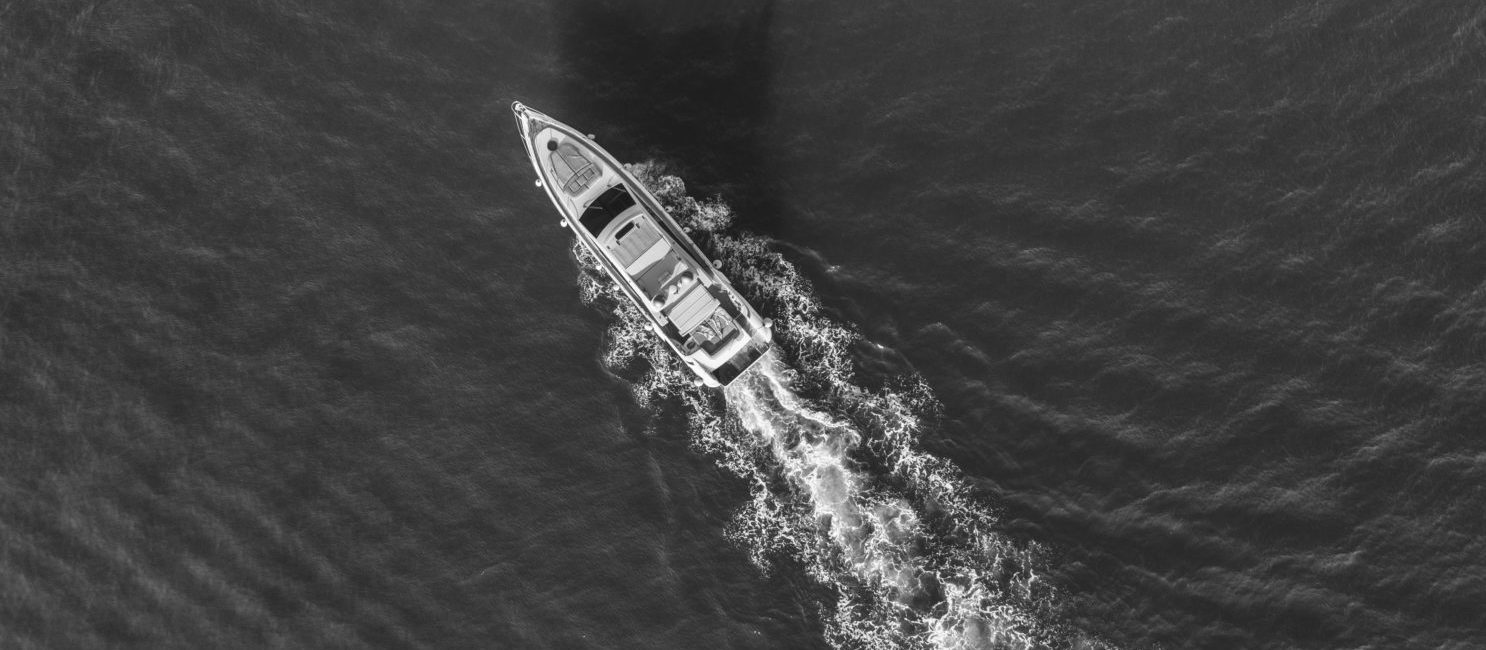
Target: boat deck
694 309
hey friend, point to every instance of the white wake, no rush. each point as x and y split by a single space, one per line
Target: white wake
839 485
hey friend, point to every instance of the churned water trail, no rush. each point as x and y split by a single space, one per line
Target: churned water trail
868 541
839 486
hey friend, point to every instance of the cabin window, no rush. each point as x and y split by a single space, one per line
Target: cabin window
605 208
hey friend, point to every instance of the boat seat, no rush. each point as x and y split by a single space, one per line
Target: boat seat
574 170
634 242
674 283
692 309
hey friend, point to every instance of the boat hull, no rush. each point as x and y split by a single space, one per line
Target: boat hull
687 302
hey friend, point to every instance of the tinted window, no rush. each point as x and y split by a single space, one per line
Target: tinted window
605 208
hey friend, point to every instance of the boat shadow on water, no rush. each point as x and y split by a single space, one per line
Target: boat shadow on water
682 84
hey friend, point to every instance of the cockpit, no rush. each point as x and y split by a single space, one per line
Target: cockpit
660 272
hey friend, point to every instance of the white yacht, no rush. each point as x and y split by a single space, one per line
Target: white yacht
691 305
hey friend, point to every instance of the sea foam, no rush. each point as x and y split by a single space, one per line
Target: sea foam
839 485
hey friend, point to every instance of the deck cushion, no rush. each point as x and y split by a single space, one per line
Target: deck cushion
693 308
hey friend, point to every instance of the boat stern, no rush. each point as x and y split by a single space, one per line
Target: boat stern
755 350
722 368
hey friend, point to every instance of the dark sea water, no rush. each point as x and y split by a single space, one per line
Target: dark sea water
1112 324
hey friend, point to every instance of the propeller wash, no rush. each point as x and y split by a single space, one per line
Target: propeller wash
839 485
